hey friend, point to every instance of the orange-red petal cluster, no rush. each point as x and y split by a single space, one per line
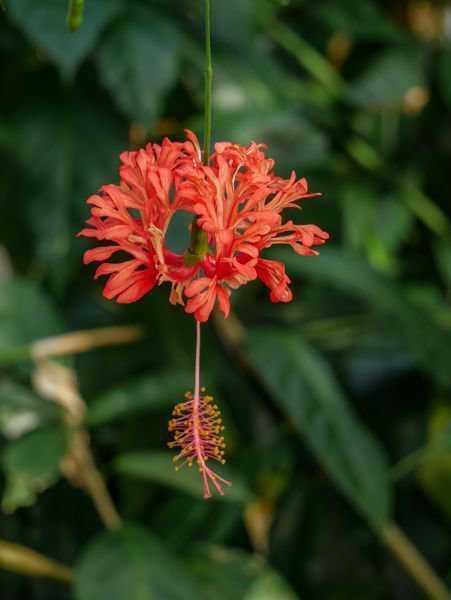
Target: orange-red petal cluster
236 199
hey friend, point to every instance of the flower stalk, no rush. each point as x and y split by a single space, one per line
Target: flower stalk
198 247
197 429
208 84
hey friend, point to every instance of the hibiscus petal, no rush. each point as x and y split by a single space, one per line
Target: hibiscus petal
204 312
197 286
108 268
137 290
100 253
223 300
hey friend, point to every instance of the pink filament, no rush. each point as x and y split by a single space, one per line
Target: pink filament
197 430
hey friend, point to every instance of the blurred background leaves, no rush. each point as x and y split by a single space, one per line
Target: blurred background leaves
336 406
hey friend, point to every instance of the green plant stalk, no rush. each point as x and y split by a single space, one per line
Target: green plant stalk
417 457
198 247
208 83
75 14
364 154
414 562
25 561
425 209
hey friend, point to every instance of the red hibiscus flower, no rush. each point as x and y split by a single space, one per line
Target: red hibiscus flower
238 203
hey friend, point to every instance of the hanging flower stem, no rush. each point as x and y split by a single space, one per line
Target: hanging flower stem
197 429
206 427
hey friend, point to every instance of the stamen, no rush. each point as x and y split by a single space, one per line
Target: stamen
197 429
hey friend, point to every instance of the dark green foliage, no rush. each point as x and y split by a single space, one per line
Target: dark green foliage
328 393
305 389
131 563
144 39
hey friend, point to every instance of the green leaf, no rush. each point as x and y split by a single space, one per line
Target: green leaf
304 386
351 274
158 467
290 138
368 217
137 396
20 303
31 464
138 62
233 574
386 81
375 225
44 22
21 410
59 179
131 563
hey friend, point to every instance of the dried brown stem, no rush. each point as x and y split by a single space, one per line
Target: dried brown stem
80 469
25 561
82 341
59 384
414 562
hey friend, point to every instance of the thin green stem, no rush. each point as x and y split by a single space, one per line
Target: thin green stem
75 14
416 458
208 83
199 239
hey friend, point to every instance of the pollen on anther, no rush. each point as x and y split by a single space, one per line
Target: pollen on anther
196 426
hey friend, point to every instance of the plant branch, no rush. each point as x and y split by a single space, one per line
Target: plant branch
74 342
84 340
80 468
414 562
59 384
25 561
